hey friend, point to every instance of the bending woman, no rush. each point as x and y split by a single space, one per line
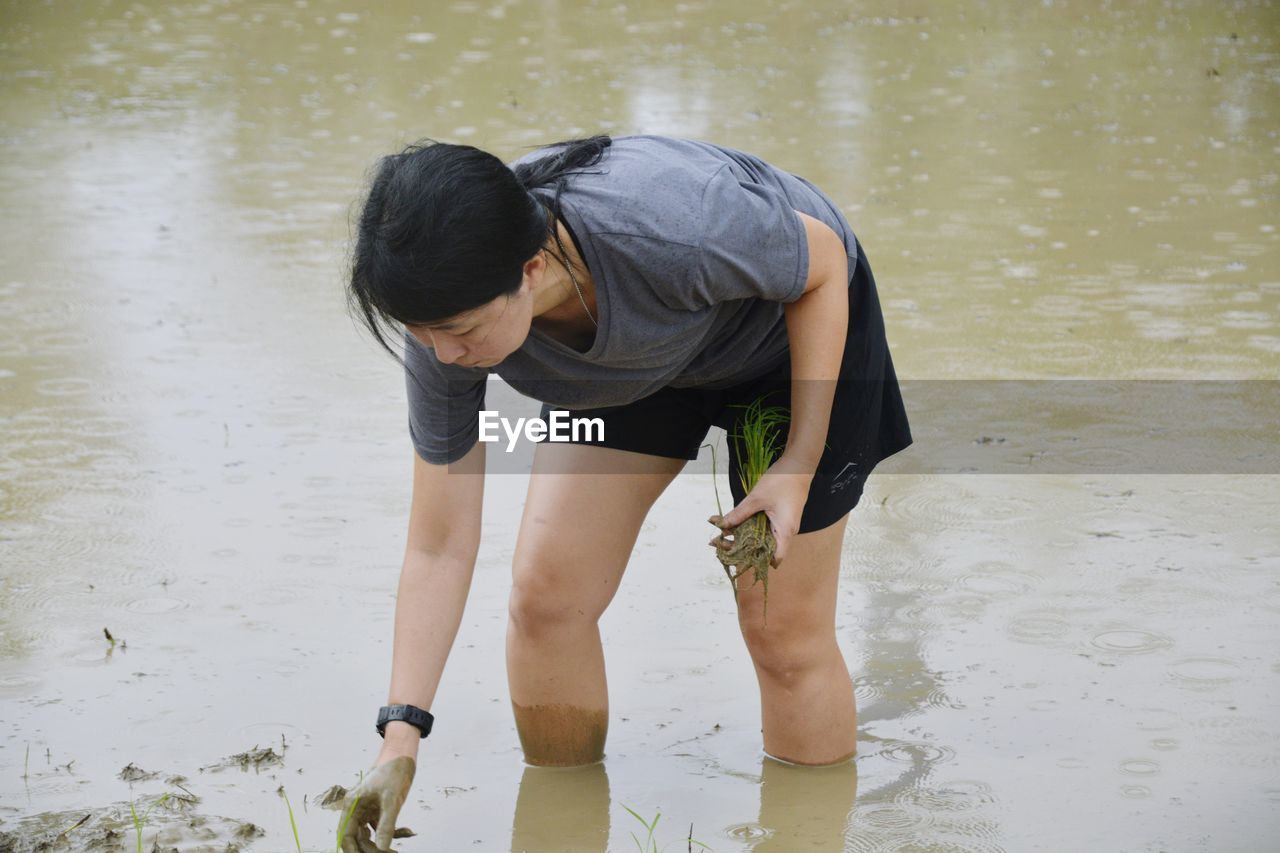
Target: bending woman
660 285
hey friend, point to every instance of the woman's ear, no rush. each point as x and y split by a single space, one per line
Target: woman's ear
535 268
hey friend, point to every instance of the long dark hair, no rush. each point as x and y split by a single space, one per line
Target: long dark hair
447 228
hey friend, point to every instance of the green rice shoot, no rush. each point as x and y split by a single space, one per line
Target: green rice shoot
342 829
140 822
758 437
292 823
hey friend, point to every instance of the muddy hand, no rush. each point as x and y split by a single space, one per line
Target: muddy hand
728 542
377 801
780 494
719 540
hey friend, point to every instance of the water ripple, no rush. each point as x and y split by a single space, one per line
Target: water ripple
960 510
997 580
1139 767
917 753
18 682
1038 627
950 611
960 795
893 817
748 832
1130 641
1204 673
156 605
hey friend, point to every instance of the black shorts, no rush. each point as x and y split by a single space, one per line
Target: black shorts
868 420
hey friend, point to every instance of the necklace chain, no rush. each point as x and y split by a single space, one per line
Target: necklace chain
568 267
573 278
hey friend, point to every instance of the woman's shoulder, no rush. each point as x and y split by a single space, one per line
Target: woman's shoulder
669 148
648 187
693 161
642 162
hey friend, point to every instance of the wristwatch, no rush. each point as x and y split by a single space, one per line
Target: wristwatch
409 714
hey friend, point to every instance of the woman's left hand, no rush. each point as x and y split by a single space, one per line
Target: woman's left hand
781 495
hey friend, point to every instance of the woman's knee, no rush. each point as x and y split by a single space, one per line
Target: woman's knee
796 633
788 651
545 596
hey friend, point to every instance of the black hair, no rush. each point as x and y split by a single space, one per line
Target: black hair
447 228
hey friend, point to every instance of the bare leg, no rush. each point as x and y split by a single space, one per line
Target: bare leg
806 695
575 539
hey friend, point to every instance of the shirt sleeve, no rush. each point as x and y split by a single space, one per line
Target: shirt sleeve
753 243
444 404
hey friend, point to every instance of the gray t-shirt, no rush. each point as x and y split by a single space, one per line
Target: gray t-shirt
692 248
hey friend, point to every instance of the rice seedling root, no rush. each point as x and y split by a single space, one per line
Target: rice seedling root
751 548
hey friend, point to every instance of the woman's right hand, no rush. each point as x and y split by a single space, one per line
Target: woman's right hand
380 795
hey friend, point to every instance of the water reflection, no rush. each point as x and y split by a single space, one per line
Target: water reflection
806 808
800 808
562 808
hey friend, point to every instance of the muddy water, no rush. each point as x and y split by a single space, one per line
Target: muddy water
202 455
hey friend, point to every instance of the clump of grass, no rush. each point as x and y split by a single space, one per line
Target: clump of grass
753 545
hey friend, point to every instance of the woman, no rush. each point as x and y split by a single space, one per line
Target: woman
658 284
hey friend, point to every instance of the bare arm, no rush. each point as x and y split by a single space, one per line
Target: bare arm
440 557
816 326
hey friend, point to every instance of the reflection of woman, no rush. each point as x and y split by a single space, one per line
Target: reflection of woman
658 284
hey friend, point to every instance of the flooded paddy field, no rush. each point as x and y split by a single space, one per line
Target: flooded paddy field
200 454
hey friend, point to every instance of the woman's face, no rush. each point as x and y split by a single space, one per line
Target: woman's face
484 336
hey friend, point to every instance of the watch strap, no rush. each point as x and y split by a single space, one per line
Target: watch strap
410 714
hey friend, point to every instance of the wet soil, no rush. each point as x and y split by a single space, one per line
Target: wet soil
172 824
561 735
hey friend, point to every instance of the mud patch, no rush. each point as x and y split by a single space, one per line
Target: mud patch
561 735
134 773
256 759
171 827
169 820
